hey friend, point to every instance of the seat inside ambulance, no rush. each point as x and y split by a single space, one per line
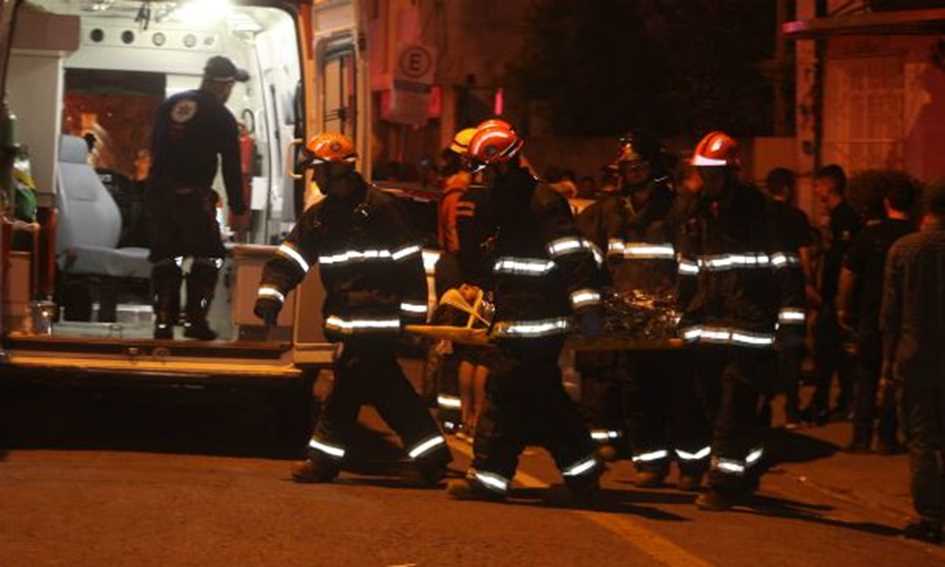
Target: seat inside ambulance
85 80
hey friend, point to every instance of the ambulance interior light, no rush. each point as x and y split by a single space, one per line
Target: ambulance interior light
202 11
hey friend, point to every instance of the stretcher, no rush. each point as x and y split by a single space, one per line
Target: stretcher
480 337
475 331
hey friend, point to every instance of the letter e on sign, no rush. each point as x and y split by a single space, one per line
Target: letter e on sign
416 63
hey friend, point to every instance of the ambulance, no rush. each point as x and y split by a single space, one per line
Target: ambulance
83 79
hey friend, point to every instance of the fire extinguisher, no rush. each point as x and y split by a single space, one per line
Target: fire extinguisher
247 145
247 162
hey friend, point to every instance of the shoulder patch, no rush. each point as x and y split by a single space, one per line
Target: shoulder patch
184 110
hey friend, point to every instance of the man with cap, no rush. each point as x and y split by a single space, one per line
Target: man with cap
193 132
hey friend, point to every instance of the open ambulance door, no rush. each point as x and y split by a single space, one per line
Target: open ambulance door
7 13
335 85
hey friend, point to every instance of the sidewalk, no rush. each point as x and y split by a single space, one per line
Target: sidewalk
875 481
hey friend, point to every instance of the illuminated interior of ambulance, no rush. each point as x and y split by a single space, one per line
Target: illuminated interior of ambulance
84 92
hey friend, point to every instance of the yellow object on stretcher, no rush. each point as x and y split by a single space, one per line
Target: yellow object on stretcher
476 330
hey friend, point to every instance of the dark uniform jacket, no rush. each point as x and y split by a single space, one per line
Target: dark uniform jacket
640 253
738 283
844 225
371 267
543 270
191 129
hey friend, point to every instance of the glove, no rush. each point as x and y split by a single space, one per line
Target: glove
591 322
267 309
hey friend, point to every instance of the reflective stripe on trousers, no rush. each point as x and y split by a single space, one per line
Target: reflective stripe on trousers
494 482
651 456
582 467
699 455
424 447
327 448
735 466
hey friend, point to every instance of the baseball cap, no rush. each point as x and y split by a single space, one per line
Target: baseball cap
220 68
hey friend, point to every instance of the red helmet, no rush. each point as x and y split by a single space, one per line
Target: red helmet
494 122
716 149
495 143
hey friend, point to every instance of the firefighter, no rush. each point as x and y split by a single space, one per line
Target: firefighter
738 289
543 271
374 282
644 395
191 129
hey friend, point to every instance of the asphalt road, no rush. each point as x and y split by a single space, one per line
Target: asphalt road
189 477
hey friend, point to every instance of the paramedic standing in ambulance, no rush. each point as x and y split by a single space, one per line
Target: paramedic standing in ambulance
191 130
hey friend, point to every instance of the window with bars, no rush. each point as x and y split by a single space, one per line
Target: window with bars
863 112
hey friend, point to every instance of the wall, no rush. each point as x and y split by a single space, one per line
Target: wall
35 87
884 105
924 134
35 83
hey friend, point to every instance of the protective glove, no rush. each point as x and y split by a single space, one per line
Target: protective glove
267 309
591 322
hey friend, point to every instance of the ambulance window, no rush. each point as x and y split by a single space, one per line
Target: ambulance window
339 89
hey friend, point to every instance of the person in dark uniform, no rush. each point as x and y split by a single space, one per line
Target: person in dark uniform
193 132
372 272
859 299
795 230
830 355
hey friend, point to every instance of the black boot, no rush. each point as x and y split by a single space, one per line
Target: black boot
861 442
925 530
201 283
165 279
315 471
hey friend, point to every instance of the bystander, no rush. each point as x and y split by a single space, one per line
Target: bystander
913 327
860 296
830 354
